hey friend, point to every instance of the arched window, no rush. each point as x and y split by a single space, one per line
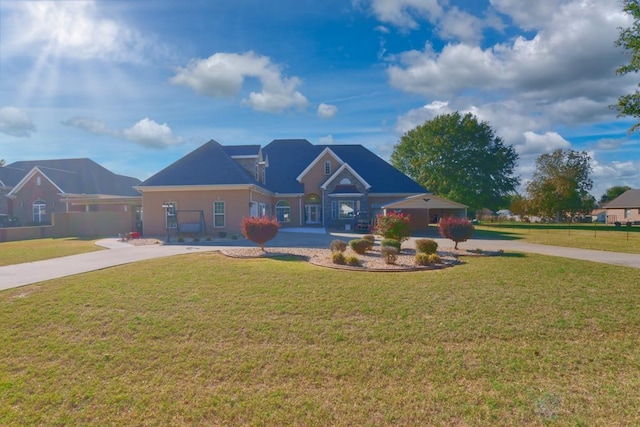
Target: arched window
283 211
345 181
39 211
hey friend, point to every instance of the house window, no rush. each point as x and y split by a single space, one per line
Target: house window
38 181
262 209
283 211
627 213
327 167
218 214
170 210
344 209
345 181
39 211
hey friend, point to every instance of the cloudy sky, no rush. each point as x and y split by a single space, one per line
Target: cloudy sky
136 84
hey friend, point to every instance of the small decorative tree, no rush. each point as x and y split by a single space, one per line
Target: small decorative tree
393 226
259 230
456 229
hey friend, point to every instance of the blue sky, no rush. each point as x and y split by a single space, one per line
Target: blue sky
137 84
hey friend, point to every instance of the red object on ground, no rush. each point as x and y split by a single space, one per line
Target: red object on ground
134 235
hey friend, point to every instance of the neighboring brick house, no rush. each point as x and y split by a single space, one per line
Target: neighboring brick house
33 190
300 184
624 208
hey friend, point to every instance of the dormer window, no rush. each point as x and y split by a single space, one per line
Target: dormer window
38 181
327 167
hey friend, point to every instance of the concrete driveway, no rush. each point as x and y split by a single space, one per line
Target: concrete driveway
119 253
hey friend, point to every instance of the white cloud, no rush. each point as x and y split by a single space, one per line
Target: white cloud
151 134
223 75
537 144
403 13
418 116
461 26
145 132
326 140
15 122
327 111
72 29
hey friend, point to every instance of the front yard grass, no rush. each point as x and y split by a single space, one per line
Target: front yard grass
205 340
41 249
585 236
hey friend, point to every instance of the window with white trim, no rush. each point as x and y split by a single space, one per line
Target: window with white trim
218 214
38 180
283 211
327 167
39 211
343 209
627 213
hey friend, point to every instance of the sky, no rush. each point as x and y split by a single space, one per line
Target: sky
137 84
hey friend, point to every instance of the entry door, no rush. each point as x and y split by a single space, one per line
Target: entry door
313 214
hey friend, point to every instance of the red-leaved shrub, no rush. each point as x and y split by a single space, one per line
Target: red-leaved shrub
393 226
456 229
259 230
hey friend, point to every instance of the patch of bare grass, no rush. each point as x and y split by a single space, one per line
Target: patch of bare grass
204 339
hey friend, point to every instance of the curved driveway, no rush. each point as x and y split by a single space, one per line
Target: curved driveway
119 253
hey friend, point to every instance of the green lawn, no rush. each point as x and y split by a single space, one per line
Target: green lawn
586 236
40 249
205 340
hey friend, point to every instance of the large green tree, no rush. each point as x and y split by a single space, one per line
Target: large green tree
560 184
629 40
459 158
613 192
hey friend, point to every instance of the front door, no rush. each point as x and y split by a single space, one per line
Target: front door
313 214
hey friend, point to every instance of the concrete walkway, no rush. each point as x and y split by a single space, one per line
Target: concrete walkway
119 253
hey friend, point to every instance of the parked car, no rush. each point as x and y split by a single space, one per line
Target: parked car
8 221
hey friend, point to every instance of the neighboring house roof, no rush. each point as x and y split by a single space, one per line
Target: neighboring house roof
288 158
210 164
628 199
423 201
10 176
75 176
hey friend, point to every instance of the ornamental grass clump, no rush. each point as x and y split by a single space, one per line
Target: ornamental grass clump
390 254
360 246
259 230
427 246
393 226
456 229
391 242
338 246
338 258
352 261
423 259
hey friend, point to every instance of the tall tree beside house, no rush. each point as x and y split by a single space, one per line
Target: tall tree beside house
460 159
560 185
629 40
613 192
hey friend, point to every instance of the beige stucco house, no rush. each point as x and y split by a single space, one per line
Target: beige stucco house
624 208
211 189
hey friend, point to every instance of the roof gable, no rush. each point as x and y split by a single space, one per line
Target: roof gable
78 176
209 164
337 173
628 199
33 172
315 161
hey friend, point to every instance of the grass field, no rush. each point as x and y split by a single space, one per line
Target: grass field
586 236
41 249
205 340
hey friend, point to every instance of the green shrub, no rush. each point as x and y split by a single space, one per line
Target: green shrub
360 246
180 239
370 238
259 230
456 229
421 259
338 258
426 259
391 242
390 254
338 246
393 226
427 246
352 260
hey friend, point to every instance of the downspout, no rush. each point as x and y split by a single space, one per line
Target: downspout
300 210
